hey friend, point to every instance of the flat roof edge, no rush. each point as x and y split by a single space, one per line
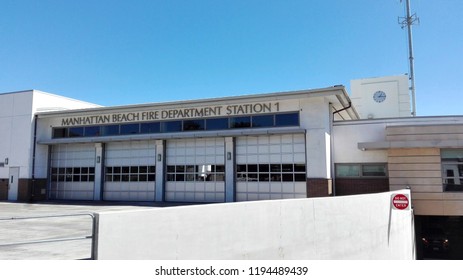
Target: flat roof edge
274 96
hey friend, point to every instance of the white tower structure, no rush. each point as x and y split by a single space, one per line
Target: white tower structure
382 97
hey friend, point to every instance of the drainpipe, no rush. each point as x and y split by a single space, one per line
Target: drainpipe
33 159
333 172
343 109
333 180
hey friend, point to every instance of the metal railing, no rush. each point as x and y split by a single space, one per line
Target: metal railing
51 240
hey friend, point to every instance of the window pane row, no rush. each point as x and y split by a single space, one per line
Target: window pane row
273 120
130 173
176 173
73 174
72 170
361 170
271 172
130 169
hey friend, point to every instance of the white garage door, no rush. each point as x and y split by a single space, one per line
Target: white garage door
195 170
270 167
72 171
130 171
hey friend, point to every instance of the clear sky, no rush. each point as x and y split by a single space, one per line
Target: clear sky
113 52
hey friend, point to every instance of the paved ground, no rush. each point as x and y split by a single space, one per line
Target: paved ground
26 230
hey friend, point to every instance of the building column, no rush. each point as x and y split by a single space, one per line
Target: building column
230 193
99 172
160 170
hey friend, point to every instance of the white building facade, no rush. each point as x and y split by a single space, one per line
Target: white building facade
18 169
282 145
255 147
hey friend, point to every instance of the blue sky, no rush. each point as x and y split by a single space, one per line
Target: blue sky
128 52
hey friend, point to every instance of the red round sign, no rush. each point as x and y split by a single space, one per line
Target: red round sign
400 201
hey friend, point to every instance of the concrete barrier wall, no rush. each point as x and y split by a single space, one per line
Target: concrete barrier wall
348 227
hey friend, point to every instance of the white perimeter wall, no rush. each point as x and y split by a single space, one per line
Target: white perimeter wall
349 227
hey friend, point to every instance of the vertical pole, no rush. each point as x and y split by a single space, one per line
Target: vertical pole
410 51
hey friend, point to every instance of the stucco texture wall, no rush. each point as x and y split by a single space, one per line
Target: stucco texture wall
349 227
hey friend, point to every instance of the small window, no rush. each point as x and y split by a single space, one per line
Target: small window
172 126
374 170
150 127
76 131
263 121
193 125
110 130
361 170
452 170
240 122
133 128
90 131
60 132
345 170
290 119
217 124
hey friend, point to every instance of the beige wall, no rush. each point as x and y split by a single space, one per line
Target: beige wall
421 169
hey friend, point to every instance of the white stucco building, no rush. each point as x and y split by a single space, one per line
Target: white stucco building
18 169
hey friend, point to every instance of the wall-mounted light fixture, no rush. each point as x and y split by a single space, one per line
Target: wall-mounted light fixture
6 161
159 157
228 155
98 159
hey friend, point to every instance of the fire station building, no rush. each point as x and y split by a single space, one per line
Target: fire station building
282 145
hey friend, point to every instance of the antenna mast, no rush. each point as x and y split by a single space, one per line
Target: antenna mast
408 21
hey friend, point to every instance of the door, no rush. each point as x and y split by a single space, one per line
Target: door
13 183
270 167
130 169
73 171
195 170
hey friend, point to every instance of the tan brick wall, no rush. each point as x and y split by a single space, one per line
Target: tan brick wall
420 169
424 132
